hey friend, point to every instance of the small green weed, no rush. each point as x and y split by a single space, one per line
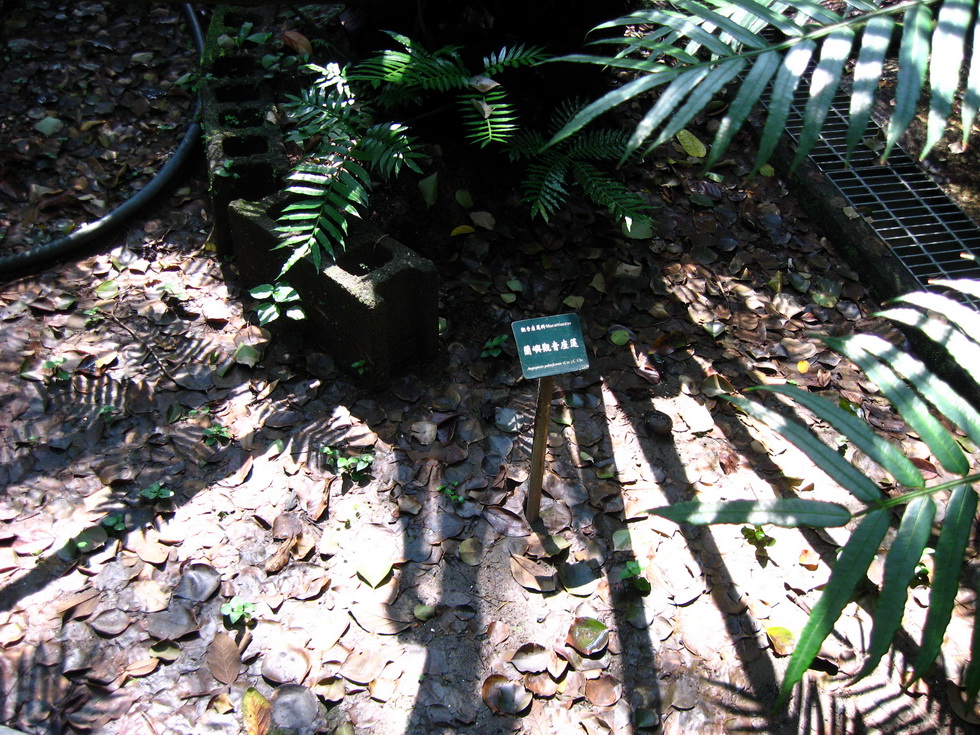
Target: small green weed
756 536
452 492
109 414
93 316
114 523
354 466
493 347
274 300
360 366
216 435
55 371
238 609
155 492
632 576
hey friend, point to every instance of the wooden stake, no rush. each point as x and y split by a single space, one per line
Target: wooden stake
542 419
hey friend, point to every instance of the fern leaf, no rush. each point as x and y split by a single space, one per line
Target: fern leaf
620 200
387 147
544 186
414 68
489 118
513 57
603 145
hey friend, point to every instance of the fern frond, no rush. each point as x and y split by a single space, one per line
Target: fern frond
544 186
707 45
322 111
327 189
513 57
526 144
414 68
620 200
387 147
490 117
604 145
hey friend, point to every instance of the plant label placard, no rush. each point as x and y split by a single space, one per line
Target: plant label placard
550 345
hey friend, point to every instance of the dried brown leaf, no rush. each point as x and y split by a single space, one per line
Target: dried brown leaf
224 660
531 575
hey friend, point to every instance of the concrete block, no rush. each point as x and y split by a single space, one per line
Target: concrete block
377 303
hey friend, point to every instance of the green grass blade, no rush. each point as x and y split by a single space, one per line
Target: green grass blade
867 73
857 431
753 86
903 557
780 98
948 42
948 561
908 403
787 512
913 58
823 85
851 566
841 471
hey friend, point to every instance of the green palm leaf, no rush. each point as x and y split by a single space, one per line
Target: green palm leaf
823 456
850 568
953 538
726 34
903 557
857 431
862 350
787 512
948 42
823 84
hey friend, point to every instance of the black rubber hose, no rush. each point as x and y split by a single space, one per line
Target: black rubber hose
92 230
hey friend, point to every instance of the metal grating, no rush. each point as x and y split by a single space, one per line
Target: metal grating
912 215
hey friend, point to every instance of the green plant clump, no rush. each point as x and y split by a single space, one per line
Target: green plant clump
918 395
494 346
355 466
237 609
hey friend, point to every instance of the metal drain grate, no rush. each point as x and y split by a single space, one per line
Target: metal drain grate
912 215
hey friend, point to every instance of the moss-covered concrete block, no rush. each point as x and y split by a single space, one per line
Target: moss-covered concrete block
378 303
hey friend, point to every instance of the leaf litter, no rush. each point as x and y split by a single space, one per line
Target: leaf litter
723 295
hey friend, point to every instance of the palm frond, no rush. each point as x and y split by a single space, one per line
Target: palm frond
909 385
699 48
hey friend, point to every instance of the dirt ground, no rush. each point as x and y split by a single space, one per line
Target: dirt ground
173 532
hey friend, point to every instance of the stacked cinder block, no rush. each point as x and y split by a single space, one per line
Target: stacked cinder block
245 153
377 306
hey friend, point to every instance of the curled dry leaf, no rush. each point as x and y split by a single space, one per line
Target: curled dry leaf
198 583
531 575
286 665
603 691
541 684
531 658
363 667
504 696
588 636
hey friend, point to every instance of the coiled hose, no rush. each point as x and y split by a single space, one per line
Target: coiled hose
93 230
